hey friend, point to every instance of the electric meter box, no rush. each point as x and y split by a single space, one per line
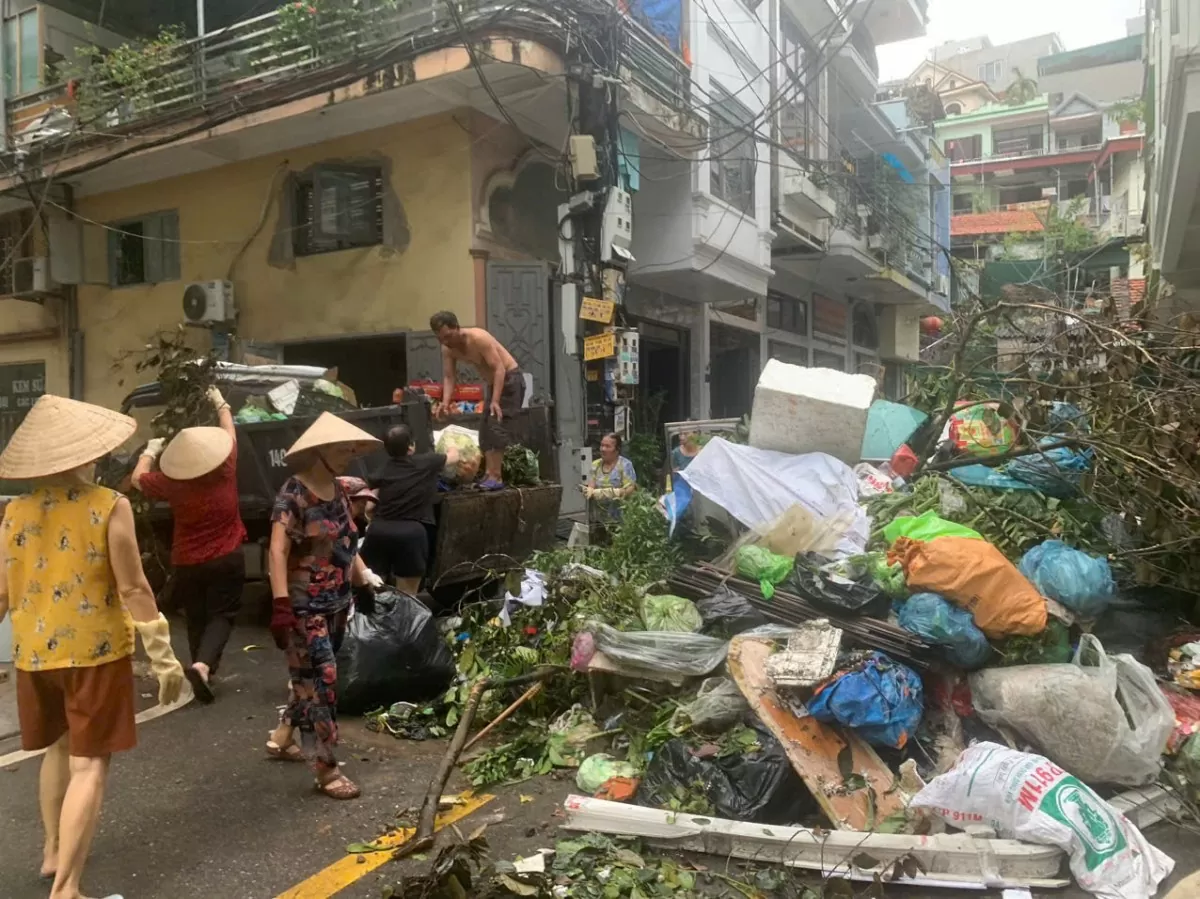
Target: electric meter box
628 354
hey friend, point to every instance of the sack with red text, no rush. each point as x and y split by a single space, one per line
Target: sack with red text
1027 797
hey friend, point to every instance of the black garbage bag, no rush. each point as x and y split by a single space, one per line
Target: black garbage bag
859 596
392 654
726 614
1137 621
761 787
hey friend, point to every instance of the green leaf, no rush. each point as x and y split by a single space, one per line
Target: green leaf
515 886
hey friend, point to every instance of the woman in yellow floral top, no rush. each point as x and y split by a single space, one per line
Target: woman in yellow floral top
73 580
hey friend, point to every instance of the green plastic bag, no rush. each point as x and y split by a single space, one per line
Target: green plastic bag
926 527
1187 763
764 566
671 613
597 770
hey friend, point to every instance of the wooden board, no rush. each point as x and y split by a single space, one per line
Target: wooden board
813 747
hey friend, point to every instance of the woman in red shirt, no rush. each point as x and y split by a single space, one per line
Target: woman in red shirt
197 476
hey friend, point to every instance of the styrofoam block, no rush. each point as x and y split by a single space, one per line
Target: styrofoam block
811 410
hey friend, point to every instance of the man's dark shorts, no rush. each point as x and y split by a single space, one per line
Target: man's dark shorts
498 435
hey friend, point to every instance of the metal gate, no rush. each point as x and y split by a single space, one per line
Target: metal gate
523 315
518 315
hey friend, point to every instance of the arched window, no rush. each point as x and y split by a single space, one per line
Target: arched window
953 109
520 208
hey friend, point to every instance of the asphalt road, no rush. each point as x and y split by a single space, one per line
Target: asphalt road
198 812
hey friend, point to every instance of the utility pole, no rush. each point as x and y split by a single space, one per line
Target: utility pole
595 235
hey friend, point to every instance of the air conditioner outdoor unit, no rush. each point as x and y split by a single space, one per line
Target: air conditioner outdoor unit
31 276
209 303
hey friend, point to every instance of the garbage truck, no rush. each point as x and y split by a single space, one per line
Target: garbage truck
476 531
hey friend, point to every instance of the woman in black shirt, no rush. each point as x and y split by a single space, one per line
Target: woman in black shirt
397 544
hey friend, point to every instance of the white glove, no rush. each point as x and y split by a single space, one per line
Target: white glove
372 580
156 640
217 398
154 447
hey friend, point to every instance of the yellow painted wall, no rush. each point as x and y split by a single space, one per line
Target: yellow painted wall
20 316
352 292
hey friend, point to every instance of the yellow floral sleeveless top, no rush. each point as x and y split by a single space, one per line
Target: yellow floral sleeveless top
66 612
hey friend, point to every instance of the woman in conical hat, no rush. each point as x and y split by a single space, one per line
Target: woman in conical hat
71 575
197 476
314 563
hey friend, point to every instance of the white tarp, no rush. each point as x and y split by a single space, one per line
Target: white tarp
757 486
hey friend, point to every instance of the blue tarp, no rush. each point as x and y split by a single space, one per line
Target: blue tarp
881 700
663 17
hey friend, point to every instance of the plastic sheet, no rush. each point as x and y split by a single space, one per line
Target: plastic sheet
1028 797
727 614
924 527
671 613
764 566
759 786
950 627
758 486
688 655
1106 720
391 655
1080 582
880 699
718 704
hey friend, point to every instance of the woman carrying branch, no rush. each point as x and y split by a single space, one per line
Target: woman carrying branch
71 574
314 564
197 476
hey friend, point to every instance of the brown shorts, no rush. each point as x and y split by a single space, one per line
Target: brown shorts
93 706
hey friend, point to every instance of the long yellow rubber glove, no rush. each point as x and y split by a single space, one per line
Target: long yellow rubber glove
156 640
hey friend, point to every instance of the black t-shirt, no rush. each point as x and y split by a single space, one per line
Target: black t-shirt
407 487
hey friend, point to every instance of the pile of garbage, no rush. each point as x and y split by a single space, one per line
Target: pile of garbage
902 675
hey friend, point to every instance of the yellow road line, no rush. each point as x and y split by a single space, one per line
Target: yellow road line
348 869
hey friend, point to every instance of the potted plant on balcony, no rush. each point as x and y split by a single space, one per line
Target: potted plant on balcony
118 84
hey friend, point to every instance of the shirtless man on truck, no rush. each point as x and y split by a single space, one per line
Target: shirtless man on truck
505 387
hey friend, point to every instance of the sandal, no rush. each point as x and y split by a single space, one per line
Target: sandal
289 753
339 787
200 687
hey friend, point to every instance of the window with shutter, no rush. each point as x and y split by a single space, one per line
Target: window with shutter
144 250
338 208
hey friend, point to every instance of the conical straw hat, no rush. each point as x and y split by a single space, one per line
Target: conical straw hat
59 435
194 452
329 430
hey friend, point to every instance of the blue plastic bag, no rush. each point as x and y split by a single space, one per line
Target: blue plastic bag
938 621
1080 582
881 700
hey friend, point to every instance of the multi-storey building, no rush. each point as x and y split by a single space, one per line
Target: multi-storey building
1173 115
341 170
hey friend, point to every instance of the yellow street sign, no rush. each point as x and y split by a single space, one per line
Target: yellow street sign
599 346
594 310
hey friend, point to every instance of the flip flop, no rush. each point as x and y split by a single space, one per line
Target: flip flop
490 484
289 753
200 686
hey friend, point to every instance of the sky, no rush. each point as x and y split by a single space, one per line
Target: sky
1079 23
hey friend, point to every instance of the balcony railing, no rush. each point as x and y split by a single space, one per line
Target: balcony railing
891 230
270 59
960 158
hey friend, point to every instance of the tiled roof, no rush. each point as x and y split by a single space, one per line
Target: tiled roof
995 222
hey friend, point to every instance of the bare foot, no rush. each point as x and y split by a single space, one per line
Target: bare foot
49 863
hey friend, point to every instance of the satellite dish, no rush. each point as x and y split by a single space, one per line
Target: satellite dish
195 302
